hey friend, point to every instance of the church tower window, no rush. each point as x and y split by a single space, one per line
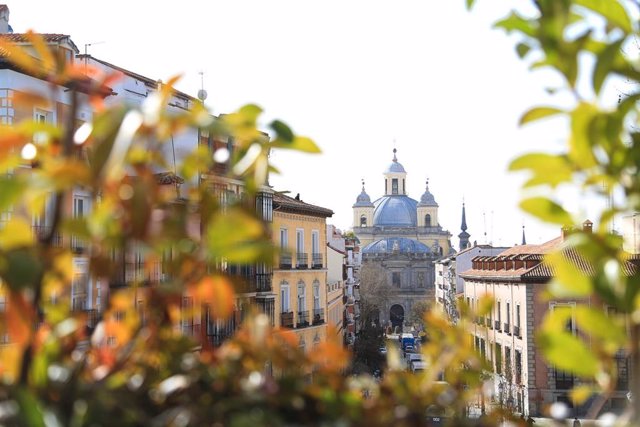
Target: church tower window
427 220
363 221
394 186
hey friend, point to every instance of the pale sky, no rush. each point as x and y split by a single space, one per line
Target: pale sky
353 75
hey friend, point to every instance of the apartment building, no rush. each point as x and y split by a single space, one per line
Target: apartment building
300 272
516 280
136 270
336 280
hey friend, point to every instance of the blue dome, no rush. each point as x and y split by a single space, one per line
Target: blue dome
397 211
427 198
395 167
363 200
391 244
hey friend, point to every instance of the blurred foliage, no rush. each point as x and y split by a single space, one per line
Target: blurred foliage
130 364
592 46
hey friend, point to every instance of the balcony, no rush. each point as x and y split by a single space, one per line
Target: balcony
303 319
302 261
507 328
316 261
496 325
318 316
286 319
285 261
516 331
41 232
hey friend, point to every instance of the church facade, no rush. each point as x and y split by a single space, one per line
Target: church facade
403 237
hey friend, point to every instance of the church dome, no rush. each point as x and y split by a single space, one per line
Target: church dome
393 244
395 167
363 199
427 198
395 211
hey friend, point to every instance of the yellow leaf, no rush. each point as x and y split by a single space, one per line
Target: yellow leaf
17 233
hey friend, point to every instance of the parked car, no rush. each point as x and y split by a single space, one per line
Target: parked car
418 366
408 349
413 357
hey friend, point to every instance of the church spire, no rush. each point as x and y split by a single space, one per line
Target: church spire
395 159
464 236
524 239
463 226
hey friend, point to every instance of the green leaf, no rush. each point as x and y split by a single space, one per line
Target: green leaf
237 237
597 324
568 280
515 22
538 113
547 210
547 169
568 353
282 130
11 189
469 4
604 62
581 141
611 10
300 143
522 49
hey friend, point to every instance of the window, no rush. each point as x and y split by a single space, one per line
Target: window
315 241
427 220
395 279
363 221
316 295
507 363
394 186
499 309
284 298
284 238
302 302
300 241
518 367
498 358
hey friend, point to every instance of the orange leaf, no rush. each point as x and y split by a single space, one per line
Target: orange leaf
217 291
20 319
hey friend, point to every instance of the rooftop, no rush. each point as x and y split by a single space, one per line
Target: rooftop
282 202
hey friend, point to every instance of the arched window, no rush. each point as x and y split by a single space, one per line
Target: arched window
363 221
427 220
394 186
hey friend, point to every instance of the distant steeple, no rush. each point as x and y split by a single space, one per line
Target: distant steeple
464 236
524 239
463 227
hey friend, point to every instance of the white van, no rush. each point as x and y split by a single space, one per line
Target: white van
418 366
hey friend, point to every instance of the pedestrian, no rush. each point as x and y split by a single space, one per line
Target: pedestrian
576 422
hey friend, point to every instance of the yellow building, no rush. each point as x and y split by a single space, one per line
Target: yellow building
300 273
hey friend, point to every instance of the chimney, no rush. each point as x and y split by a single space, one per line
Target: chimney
4 19
587 226
565 231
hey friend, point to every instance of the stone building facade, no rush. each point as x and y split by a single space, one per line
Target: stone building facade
403 237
